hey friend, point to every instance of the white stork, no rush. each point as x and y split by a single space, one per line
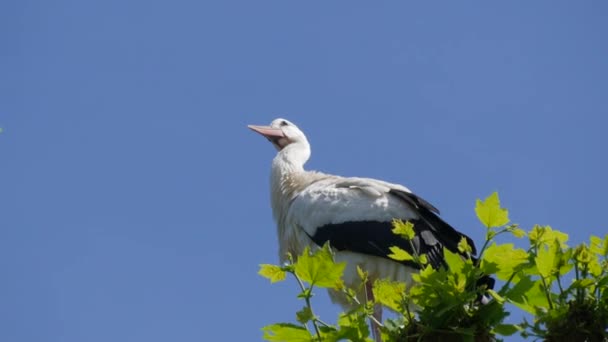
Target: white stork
354 214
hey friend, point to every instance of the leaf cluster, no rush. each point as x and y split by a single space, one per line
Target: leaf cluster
564 289
317 270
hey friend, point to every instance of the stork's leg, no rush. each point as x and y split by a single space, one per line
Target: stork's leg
377 313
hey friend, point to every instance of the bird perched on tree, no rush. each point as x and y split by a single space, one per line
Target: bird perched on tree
353 214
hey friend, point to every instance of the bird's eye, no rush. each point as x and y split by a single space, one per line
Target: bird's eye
284 123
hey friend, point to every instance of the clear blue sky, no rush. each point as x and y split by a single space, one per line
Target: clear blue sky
134 200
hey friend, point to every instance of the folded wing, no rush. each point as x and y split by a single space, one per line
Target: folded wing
356 214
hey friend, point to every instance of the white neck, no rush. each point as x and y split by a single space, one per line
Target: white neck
293 156
287 178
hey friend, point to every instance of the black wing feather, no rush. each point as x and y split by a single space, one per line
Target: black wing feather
428 213
376 237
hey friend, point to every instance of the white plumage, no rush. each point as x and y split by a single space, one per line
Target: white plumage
353 214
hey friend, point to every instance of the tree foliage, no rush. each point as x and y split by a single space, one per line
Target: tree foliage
564 289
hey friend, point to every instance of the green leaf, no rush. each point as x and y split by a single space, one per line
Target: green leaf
454 261
496 296
544 260
581 283
389 293
286 332
507 329
561 263
603 283
502 260
423 259
463 246
582 254
586 256
400 254
304 315
595 268
545 235
353 327
319 268
490 213
528 294
598 246
362 274
329 333
404 229
518 232
423 274
273 272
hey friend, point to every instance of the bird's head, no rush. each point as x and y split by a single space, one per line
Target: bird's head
281 133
